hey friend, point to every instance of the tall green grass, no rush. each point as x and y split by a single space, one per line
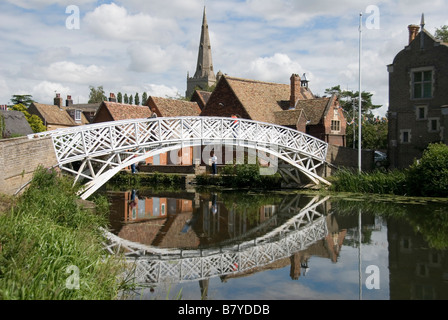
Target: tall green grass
48 242
391 182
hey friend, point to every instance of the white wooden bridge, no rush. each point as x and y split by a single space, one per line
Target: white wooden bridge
153 265
102 150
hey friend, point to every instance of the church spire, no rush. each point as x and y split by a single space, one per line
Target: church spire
204 67
204 76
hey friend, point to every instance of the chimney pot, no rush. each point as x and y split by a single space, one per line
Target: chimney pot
112 97
413 32
58 100
69 101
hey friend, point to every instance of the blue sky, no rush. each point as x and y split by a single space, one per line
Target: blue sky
134 46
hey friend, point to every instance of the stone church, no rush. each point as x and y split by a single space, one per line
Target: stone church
204 76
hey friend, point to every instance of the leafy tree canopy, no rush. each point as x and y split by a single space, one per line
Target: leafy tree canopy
442 33
97 94
23 99
35 122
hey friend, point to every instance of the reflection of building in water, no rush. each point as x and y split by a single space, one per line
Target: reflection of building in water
417 272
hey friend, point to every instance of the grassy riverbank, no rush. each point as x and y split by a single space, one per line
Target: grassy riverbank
427 177
50 246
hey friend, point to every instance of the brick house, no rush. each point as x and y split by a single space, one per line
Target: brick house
165 107
113 111
291 105
58 116
418 99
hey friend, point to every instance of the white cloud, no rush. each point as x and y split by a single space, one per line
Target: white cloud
40 4
111 21
277 68
45 91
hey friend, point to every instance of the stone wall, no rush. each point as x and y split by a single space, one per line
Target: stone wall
20 157
342 157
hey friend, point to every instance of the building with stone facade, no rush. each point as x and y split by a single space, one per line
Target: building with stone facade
418 97
204 76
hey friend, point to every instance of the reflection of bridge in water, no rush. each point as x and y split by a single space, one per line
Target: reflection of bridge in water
171 265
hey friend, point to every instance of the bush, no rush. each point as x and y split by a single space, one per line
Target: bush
429 175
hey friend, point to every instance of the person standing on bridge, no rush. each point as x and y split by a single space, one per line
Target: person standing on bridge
235 125
214 159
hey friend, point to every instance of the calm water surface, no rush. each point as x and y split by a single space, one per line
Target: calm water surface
231 245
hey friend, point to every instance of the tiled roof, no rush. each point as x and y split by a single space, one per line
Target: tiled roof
262 99
52 114
175 108
204 95
288 117
312 109
15 123
121 111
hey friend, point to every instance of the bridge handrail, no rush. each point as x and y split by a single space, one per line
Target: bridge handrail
319 151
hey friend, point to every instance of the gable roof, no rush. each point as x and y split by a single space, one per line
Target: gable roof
262 99
173 107
201 97
121 111
52 114
312 109
15 123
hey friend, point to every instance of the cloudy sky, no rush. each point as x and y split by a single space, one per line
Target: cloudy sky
134 46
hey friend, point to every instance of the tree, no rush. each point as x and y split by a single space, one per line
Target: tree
126 98
97 95
137 99
374 129
442 33
23 99
35 122
144 98
119 97
131 100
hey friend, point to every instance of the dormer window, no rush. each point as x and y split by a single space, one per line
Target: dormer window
77 115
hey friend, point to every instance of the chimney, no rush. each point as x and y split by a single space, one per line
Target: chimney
69 101
58 100
112 97
413 32
295 90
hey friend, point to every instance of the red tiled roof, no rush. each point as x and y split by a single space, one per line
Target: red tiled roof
313 109
121 111
175 108
262 99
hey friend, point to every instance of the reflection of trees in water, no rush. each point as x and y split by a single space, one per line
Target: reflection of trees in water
428 218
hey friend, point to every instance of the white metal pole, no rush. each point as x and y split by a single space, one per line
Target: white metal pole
360 101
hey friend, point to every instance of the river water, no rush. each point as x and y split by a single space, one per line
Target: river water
241 245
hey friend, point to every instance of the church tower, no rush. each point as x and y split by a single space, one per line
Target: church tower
204 76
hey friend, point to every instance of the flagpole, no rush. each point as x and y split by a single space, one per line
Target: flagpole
359 99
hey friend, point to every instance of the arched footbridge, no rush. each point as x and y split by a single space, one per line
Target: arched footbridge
96 152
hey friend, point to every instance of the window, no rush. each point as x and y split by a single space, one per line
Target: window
335 125
77 115
422 84
405 136
433 125
421 112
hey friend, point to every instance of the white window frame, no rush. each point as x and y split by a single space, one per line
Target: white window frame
338 122
78 115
